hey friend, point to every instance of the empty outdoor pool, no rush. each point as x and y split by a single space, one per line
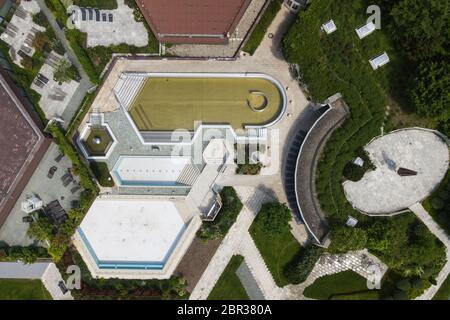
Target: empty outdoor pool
177 101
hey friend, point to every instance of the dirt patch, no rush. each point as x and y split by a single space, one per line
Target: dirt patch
196 260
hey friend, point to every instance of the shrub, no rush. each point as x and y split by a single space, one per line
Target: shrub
101 172
437 203
41 229
274 218
404 285
346 239
231 206
302 265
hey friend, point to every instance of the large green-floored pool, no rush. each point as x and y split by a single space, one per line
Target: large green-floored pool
169 103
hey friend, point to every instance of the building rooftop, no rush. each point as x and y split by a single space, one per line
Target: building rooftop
193 21
23 146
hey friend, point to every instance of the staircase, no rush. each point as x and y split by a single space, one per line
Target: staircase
189 174
128 87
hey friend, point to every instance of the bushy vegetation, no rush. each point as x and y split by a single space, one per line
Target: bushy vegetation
273 238
231 206
25 254
120 289
438 204
260 30
425 47
101 172
99 4
229 287
339 63
249 167
299 268
354 172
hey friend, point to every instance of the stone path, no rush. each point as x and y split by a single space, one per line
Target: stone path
425 217
361 262
249 282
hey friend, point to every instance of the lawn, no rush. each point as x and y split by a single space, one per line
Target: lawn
12 289
260 30
229 287
169 103
277 250
346 285
444 291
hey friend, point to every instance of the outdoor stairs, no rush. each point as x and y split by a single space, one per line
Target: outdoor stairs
128 87
189 174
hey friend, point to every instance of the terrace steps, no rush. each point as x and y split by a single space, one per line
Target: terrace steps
128 87
189 174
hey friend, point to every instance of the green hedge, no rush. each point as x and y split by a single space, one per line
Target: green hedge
101 172
298 270
61 239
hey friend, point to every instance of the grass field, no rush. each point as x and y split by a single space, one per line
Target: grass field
229 286
277 251
444 291
12 289
346 285
166 104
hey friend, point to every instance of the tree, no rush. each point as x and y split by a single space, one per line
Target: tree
275 218
346 239
58 246
41 229
422 27
64 71
40 41
430 93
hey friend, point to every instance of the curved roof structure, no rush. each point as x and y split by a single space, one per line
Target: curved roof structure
307 160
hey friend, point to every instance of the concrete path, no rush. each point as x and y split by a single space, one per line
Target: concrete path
425 217
252 200
258 268
85 83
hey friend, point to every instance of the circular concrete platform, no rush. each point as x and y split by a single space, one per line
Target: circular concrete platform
384 191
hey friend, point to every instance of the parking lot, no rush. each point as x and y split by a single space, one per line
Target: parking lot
14 230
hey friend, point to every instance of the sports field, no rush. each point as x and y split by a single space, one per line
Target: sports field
169 103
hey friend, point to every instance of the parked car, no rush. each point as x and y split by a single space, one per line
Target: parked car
51 172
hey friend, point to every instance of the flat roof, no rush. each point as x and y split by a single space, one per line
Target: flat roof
193 21
140 170
23 146
132 231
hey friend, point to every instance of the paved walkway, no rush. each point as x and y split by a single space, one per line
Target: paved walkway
252 200
85 83
361 262
425 217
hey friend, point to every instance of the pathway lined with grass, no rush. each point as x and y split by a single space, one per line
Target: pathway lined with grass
229 287
435 229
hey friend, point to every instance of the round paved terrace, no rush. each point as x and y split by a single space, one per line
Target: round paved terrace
384 191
